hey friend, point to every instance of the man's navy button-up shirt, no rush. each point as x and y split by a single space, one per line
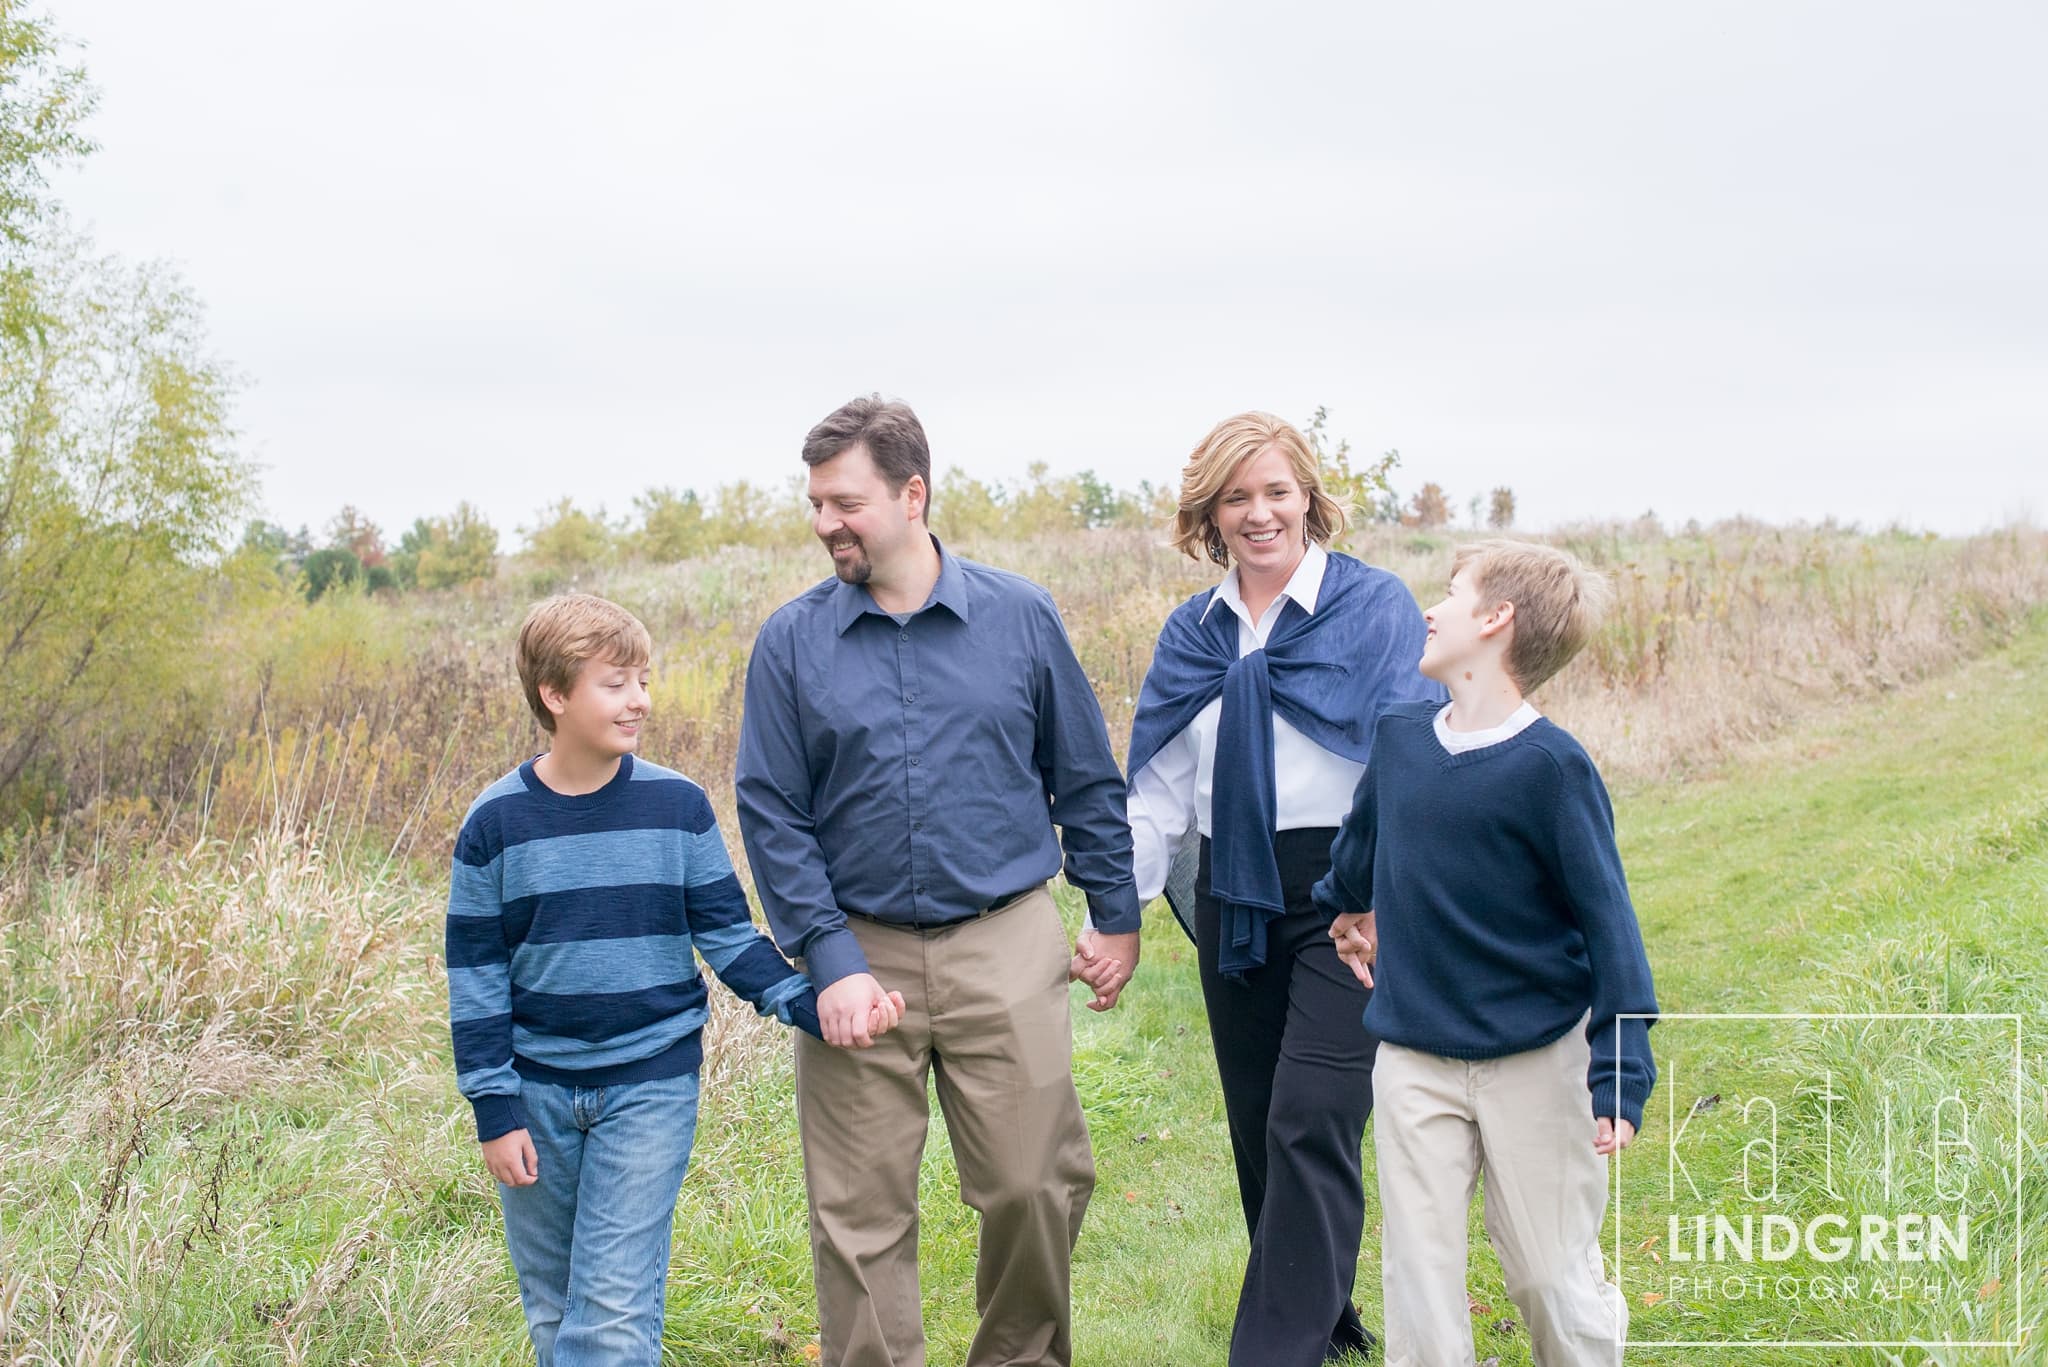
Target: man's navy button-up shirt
913 770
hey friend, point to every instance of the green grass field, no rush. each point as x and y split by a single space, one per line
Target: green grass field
231 1132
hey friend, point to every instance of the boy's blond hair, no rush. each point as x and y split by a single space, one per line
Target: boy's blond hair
1558 602
562 634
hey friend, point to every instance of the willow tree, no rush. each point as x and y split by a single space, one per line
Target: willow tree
117 482
43 105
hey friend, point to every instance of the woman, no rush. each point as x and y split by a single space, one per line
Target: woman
1253 728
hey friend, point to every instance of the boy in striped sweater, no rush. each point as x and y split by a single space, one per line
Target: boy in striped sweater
584 882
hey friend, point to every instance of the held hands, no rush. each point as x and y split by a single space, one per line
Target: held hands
1105 963
1613 1136
855 1010
511 1159
1358 943
884 1015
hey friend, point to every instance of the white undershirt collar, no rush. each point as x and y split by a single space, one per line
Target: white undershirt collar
1458 742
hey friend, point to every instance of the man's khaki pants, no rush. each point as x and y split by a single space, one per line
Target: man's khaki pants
986 1014
1526 1122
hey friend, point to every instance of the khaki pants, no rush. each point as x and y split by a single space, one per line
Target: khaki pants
1526 1122
986 1015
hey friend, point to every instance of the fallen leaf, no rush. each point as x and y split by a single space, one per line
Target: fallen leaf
1652 1297
1505 1326
812 1352
1705 1103
1647 1242
1989 1289
1474 1306
1131 1196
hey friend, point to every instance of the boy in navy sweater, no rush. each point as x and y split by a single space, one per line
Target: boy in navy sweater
582 883
1477 873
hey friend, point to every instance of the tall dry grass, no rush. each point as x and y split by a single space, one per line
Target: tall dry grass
1723 639
226 1115
152 992
389 715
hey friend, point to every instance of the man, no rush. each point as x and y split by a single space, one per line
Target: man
914 730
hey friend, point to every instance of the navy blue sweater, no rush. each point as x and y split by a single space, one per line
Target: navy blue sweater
572 923
1503 914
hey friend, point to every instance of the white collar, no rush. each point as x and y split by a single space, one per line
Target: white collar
1302 586
1458 742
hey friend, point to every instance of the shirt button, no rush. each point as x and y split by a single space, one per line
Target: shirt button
920 892
915 761
917 825
902 635
910 697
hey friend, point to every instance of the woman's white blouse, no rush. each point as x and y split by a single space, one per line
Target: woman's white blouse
1172 792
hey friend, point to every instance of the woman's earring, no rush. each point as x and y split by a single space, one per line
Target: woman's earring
1217 552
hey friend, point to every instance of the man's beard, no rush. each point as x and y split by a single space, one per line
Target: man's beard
854 571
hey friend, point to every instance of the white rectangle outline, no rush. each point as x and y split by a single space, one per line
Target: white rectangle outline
2018 1176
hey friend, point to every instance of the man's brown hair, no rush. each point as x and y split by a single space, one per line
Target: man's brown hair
893 436
562 634
1558 602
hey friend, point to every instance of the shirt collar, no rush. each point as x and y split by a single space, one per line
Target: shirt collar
1303 586
851 602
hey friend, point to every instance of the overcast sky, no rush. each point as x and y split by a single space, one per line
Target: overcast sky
1775 258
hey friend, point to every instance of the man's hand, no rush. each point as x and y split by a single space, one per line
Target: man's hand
850 1010
511 1159
1105 963
1613 1136
1358 943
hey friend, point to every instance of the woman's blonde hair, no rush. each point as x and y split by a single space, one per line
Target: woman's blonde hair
1215 463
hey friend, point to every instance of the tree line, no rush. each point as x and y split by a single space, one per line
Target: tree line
667 526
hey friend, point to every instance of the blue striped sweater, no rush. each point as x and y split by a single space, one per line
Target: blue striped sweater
571 926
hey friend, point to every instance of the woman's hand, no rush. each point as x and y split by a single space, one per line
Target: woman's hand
1105 963
1358 943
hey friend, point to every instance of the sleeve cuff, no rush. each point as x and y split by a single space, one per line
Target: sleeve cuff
802 1013
832 955
1116 912
497 1116
1631 1103
1329 897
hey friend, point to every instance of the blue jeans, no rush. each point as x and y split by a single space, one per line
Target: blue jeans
590 1239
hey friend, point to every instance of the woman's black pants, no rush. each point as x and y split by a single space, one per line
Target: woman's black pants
1296 1066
